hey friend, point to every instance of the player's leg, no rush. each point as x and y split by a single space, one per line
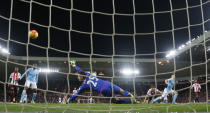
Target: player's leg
11 93
165 94
118 100
165 99
15 93
146 100
175 95
157 99
34 87
149 100
118 90
24 94
196 97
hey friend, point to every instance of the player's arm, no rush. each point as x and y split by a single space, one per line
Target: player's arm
73 64
147 95
24 74
78 92
192 86
146 98
37 77
10 78
158 91
199 86
166 81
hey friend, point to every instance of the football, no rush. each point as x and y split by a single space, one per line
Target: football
33 34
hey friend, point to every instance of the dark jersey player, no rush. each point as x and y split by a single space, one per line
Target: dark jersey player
101 86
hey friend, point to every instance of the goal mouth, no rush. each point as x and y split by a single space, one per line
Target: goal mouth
104 56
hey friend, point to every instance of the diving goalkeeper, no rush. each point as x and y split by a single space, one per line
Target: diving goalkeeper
99 85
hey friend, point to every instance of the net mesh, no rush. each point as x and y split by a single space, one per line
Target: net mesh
105 37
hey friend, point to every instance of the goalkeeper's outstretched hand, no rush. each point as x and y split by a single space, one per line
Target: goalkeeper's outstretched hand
73 63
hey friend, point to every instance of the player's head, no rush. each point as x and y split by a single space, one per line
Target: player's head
173 76
195 81
34 65
80 77
16 69
75 88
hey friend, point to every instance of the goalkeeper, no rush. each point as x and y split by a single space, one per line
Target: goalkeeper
99 85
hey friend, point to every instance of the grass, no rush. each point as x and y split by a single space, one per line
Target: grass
103 108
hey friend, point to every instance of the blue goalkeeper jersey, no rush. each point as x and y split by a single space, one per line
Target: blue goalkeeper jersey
93 82
170 84
32 75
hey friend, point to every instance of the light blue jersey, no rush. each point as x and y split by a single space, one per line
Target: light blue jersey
170 84
32 75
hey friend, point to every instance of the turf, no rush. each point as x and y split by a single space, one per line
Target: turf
103 108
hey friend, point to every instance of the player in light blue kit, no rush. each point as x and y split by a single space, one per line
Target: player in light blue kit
31 81
168 90
101 86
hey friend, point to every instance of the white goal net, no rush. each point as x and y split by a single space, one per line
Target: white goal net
134 44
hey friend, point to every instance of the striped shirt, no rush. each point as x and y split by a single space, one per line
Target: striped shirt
196 87
14 76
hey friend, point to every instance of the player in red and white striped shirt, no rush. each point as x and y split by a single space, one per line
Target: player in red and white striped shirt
196 86
13 84
150 93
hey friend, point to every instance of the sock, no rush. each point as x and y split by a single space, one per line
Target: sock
126 93
165 100
196 99
174 98
156 99
23 95
25 98
34 97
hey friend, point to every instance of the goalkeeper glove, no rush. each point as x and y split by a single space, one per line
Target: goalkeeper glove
73 63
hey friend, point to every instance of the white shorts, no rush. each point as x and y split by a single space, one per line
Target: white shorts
32 84
167 92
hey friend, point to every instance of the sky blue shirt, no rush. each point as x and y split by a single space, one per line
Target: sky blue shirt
170 84
32 75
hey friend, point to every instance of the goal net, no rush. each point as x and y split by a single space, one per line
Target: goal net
133 44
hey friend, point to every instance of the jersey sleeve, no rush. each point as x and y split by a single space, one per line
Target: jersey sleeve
199 86
25 73
19 75
148 92
193 86
169 80
37 76
11 75
80 70
156 90
78 92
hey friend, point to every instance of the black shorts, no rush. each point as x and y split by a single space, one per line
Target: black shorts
14 88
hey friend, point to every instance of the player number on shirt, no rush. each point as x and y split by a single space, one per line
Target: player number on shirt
93 81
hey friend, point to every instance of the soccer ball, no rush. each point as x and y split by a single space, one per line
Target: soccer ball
33 34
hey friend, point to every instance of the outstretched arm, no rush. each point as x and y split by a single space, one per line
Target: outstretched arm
24 74
10 78
145 98
37 77
73 64
192 86
166 81
78 92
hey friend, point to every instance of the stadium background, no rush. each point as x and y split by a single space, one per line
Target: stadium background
123 44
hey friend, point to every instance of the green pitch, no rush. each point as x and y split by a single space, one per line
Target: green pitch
104 108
